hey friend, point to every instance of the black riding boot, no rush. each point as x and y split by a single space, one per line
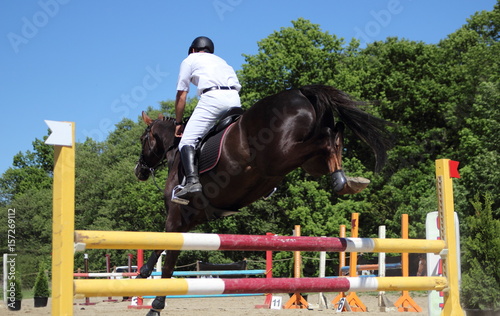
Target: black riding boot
193 184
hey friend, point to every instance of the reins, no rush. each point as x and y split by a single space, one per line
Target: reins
152 171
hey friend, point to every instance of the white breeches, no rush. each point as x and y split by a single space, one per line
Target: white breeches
208 110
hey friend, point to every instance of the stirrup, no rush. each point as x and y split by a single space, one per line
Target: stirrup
177 199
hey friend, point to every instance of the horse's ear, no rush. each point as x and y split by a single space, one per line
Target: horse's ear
146 118
160 116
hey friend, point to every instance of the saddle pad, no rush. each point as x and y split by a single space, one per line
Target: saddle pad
210 151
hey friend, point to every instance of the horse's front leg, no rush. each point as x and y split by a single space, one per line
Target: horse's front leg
148 268
166 272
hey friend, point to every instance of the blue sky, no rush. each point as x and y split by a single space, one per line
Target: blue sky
95 62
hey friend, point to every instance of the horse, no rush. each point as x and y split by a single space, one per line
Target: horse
291 129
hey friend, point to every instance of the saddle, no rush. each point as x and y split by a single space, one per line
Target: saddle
209 147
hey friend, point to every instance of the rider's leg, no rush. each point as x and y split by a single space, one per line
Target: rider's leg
208 110
206 113
193 185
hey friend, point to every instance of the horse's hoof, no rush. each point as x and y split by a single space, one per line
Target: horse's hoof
153 312
339 180
354 185
158 304
144 273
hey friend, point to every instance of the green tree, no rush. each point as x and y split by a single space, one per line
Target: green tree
293 57
473 54
481 276
390 73
32 169
25 188
41 287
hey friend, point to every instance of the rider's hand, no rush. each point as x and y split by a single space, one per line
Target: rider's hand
179 129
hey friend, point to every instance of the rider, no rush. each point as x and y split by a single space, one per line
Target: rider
218 88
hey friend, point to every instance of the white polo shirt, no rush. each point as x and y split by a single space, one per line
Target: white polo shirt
206 70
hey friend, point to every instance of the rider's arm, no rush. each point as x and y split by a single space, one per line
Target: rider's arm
180 104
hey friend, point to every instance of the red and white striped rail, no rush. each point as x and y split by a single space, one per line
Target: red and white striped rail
137 287
193 241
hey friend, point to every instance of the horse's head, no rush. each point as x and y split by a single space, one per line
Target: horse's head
158 144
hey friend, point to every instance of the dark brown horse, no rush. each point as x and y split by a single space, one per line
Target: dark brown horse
292 129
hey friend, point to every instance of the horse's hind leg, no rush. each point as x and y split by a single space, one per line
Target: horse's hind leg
341 183
339 180
166 272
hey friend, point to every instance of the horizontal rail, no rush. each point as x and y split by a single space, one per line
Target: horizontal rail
87 239
363 267
208 296
142 287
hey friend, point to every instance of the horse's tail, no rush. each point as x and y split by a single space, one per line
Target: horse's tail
371 129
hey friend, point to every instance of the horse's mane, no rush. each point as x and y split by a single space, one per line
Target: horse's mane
167 118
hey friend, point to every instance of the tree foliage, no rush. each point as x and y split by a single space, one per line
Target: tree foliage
481 280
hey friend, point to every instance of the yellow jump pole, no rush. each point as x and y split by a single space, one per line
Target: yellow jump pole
446 211
63 215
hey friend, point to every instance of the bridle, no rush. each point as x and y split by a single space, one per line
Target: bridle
162 158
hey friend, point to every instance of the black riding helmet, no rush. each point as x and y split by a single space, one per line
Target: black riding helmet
202 43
